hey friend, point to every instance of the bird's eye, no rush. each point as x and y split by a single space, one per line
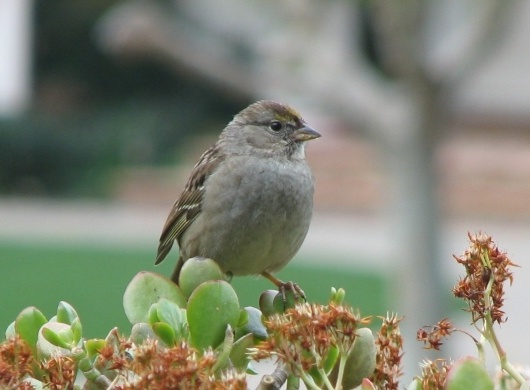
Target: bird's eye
276 126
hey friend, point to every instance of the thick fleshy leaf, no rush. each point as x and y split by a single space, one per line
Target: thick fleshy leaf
239 354
283 303
66 313
28 324
211 307
165 332
198 270
55 339
337 296
243 318
141 332
170 313
94 346
251 370
360 363
77 330
253 324
266 303
331 359
145 289
223 351
10 331
468 373
152 315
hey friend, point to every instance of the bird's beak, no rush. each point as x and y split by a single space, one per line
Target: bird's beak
305 133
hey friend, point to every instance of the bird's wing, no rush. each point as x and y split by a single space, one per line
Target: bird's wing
189 204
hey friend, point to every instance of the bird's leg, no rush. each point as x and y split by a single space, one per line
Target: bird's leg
285 286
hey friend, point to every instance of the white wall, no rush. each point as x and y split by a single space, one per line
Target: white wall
15 56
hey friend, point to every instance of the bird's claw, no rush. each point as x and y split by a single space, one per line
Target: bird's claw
290 291
291 294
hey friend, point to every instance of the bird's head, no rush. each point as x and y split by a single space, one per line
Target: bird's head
271 127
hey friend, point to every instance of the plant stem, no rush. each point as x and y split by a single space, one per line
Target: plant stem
489 332
309 382
318 362
340 374
480 349
325 378
491 336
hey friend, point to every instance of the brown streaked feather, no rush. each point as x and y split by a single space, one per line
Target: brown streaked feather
188 205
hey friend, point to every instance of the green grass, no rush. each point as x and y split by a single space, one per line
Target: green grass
93 280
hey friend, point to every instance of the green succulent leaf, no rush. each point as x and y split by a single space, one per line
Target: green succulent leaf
281 304
243 318
66 313
55 339
328 363
94 346
337 296
141 332
253 324
469 373
211 307
152 315
198 270
238 355
77 330
67 335
28 324
170 313
223 351
251 370
331 359
278 304
360 363
266 303
165 332
10 331
145 289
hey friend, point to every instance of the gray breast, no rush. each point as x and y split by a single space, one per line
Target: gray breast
254 219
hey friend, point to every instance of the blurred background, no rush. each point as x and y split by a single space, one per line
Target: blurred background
105 106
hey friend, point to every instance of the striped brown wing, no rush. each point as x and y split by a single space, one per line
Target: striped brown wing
189 204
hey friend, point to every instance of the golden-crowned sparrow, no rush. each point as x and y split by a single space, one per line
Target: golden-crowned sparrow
249 199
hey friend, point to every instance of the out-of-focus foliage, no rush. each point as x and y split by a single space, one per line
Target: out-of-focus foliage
91 112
